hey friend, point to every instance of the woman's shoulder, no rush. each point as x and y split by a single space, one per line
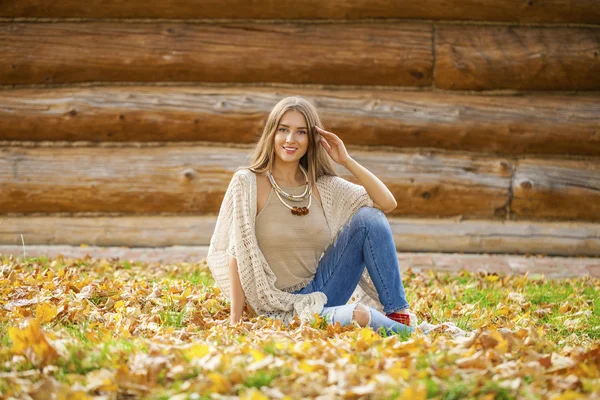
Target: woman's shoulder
338 184
243 174
325 180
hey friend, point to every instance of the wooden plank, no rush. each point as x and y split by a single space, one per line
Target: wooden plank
330 53
507 57
507 124
144 230
557 189
581 11
428 235
193 179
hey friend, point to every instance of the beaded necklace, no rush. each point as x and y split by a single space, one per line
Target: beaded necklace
300 211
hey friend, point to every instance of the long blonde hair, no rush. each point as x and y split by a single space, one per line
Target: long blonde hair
316 161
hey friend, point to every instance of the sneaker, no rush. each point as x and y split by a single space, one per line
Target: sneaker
406 318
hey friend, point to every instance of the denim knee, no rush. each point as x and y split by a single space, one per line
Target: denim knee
370 216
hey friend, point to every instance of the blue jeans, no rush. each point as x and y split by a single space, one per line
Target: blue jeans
365 240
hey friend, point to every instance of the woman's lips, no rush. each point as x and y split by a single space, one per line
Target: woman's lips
290 151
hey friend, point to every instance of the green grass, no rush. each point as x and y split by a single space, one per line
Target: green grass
199 277
456 390
172 318
261 378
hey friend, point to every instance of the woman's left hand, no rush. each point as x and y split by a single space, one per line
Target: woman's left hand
334 146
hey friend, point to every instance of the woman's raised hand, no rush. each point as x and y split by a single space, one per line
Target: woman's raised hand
334 146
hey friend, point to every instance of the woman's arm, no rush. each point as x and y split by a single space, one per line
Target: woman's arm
381 195
238 298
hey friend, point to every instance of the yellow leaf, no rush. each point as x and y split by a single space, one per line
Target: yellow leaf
564 307
45 312
501 309
219 383
32 343
367 335
119 304
183 295
304 366
257 355
520 317
444 372
18 339
502 346
569 395
301 348
196 351
414 393
280 346
253 395
492 278
397 371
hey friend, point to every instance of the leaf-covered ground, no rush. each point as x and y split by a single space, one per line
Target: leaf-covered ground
89 328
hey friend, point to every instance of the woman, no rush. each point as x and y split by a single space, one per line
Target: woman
294 238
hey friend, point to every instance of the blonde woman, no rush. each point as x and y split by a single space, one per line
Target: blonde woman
294 238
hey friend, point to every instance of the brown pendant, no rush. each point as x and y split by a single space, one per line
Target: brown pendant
300 211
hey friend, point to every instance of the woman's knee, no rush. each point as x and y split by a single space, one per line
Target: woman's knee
371 217
361 315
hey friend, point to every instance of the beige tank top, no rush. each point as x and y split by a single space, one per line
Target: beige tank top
291 244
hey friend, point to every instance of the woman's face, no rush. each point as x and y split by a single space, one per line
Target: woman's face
292 133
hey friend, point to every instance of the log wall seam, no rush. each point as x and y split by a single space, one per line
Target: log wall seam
200 143
277 85
304 86
382 21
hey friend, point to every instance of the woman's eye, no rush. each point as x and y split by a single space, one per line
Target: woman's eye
285 129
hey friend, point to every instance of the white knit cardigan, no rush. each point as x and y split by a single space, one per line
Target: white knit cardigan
235 235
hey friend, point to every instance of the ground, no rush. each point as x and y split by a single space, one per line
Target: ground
97 328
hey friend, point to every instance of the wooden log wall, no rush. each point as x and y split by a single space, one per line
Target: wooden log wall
477 114
410 234
555 11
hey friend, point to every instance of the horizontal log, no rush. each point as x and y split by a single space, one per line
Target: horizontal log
194 179
440 185
506 57
582 11
523 124
429 235
332 53
557 189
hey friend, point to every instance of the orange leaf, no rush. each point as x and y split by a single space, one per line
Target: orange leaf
33 344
